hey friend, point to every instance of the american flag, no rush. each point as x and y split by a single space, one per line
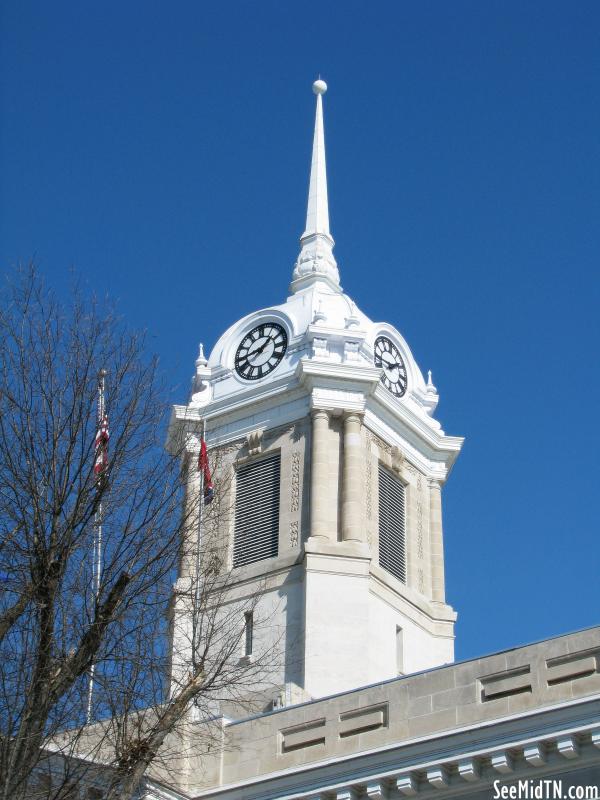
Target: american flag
204 467
101 447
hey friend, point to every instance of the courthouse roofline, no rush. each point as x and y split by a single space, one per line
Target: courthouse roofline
237 721
531 710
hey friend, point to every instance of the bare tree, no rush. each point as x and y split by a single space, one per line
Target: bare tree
53 624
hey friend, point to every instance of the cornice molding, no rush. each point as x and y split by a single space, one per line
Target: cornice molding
414 605
328 374
318 330
432 452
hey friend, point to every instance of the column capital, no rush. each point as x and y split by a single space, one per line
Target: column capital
353 415
191 444
320 413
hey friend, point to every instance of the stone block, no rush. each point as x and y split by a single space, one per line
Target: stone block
308 734
437 777
584 640
455 697
476 712
573 668
431 682
508 682
469 770
417 706
374 791
397 697
568 747
471 671
398 730
354 744
502 762
583 686
554 694
534 754
432 723
522 702
407 785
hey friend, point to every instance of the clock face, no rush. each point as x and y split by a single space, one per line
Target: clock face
388 356
260 351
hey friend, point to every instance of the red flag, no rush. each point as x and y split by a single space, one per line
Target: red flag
204 467
101 447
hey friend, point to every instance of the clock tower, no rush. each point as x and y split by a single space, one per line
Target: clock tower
328 468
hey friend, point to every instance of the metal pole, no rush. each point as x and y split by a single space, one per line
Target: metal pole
97 549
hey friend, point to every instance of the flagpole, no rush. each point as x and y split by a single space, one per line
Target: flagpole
97 548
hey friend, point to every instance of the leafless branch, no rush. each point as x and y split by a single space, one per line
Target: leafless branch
158 657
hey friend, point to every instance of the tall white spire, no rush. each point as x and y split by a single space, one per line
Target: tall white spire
316 260
317 212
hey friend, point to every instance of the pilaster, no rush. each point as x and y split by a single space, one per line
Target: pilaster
189 544
319 528
436 539
353 527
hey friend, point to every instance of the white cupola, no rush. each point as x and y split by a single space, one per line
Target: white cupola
325 416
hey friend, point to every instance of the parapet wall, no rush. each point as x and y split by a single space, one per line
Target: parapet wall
470 696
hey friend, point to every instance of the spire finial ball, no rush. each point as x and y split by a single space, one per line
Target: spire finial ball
319 87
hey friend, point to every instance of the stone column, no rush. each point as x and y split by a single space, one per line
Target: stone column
188 542
352 480
436 542
318 475
180 606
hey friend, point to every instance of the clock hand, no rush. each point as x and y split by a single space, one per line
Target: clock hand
390 365
258 350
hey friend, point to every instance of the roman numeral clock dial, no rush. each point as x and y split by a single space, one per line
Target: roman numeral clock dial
387 355
260 351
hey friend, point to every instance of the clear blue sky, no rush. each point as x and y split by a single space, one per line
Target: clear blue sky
162 149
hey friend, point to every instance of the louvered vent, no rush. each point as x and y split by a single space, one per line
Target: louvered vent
256 511
392 524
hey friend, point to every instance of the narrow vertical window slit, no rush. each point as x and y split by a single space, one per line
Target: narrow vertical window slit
249 632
